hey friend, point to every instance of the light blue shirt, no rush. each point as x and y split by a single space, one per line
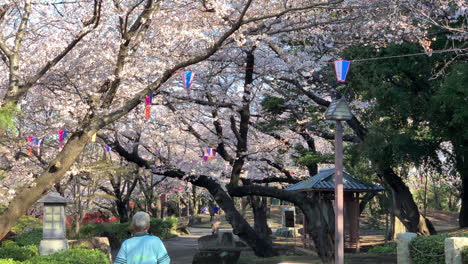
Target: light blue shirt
142 249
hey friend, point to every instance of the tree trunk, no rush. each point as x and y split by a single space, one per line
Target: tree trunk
195 204
318 212
122 211
320 217
405 208
425 198
240 226
57 168
461 158
259 208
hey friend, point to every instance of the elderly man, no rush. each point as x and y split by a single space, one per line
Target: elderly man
142 248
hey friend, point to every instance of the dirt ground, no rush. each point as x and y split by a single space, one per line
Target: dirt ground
182 249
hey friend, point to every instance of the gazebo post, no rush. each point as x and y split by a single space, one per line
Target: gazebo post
354 227
358 215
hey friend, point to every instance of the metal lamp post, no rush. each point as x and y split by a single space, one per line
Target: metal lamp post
339 111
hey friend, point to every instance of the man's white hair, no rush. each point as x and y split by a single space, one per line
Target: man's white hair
141 221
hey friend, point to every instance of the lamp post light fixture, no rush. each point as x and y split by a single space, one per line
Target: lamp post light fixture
53 230
339 111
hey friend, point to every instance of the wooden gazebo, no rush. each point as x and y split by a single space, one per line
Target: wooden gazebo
324 184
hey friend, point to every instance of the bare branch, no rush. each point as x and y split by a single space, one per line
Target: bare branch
24 23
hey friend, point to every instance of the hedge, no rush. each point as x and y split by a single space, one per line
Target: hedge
26 224
15 252
8 261
32 237
118 232
390 248
71 256
430 249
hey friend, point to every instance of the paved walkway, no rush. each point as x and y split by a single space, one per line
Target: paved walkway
182 249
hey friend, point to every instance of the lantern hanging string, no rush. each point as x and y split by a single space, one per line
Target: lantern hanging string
370 59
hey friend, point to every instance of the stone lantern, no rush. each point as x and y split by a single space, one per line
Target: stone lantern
54 231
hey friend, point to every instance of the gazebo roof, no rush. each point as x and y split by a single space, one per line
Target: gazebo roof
325 181
54 197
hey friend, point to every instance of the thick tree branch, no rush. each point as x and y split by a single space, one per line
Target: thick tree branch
24 23
221 148
244 112
132 157
16 90
138 28
272 180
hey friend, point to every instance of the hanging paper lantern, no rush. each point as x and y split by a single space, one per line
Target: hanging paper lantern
188 79
148 102
147 112
210 153
62 135
341 69
38 143
30 143
107 148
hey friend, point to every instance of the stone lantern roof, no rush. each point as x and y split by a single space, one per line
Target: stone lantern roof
55 198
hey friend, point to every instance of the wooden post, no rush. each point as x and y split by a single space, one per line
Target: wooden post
356 223
339 239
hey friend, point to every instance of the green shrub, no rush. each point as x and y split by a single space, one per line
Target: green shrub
428 249
90 230
465 255
33 237
121 231
390 248
9 261
72 256
26 224
8 242
162 228
15 252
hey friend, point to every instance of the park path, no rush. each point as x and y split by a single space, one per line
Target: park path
181 249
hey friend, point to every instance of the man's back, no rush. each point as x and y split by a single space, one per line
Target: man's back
142 249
